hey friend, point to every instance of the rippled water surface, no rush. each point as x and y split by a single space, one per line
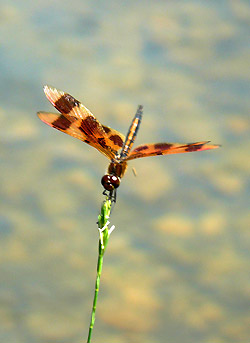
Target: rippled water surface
177 265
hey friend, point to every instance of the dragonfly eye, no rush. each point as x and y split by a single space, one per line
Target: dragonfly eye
110 182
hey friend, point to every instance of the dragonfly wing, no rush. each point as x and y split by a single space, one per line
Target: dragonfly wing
77 121
157 149
64 124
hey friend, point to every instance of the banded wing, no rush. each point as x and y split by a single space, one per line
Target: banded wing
77 121
157 149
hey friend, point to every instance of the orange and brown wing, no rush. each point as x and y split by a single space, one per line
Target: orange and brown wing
157 149
67 125
77 121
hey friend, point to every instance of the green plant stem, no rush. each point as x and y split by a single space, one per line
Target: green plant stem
103 241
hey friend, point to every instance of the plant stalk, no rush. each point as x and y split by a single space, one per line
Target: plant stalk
103 241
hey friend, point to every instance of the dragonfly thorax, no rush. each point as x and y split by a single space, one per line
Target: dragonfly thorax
117 168
111 180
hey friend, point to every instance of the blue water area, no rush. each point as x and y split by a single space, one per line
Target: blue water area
177 265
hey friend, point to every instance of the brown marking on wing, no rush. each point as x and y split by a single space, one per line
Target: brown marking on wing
77 121
103 143
115 137
156 149
117 140
66 103
61 123
197 147
162 146
106 128
89 125
64 124
142 147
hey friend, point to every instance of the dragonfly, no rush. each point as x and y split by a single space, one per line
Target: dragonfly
77 121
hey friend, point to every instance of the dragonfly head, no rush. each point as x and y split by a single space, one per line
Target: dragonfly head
110 182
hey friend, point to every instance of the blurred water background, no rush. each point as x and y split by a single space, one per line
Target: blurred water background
177 266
